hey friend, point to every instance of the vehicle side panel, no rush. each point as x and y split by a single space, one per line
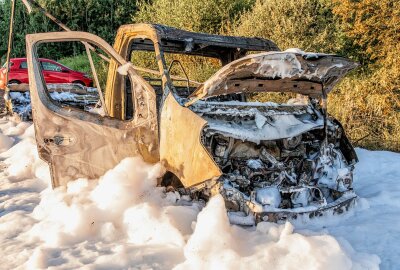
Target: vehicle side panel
78 144
180 148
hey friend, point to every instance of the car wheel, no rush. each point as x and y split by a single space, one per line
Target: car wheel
14 82
79 82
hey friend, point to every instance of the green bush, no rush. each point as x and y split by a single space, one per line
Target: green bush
81 63
306 24
208 16
78 63
368 105
101 17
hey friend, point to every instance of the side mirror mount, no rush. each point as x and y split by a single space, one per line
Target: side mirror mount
65 71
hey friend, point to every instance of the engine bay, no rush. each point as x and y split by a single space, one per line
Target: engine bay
302 173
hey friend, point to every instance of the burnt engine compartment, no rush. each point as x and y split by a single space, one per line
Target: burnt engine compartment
297 174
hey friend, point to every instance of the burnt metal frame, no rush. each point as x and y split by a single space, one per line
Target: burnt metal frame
35 39
173 40
58 128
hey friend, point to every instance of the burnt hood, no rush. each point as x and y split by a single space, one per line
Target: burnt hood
289 71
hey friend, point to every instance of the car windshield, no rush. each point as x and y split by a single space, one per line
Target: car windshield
64 66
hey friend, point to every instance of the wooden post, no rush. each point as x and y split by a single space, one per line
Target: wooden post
10 39
9 47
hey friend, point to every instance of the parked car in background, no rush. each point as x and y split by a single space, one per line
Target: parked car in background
53 73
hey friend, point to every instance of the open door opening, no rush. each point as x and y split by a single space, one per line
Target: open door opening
86 141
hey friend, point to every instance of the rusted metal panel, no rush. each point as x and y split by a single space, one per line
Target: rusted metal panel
283 85
79 144
180 148
272 71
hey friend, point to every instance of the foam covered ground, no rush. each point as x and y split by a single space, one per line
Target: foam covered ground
122 221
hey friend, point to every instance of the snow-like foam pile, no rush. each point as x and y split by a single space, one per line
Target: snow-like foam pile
122 220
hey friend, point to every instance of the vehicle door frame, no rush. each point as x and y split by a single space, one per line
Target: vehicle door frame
122 43
189 160
144 118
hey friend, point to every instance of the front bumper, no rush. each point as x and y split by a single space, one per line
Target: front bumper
339 206
257 212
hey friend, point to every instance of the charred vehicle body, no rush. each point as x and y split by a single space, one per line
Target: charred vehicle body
269 161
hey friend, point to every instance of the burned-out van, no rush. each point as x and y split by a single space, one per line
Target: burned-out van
270 161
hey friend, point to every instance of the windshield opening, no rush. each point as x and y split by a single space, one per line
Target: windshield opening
187 71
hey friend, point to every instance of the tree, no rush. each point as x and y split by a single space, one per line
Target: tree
23 25
101 17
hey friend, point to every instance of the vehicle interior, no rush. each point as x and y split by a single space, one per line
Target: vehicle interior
191 57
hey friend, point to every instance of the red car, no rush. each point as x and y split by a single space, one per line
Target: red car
53 73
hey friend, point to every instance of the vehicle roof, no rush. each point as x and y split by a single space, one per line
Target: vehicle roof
24 59
181 41
248 43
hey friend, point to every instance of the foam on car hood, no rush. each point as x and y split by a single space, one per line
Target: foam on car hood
288 71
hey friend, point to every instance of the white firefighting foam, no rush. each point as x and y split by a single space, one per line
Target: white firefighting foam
123 220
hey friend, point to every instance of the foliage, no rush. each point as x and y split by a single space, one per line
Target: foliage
369 103
196 68
369 108
372 25
78 62
306 24
24 24
101 17
201 16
